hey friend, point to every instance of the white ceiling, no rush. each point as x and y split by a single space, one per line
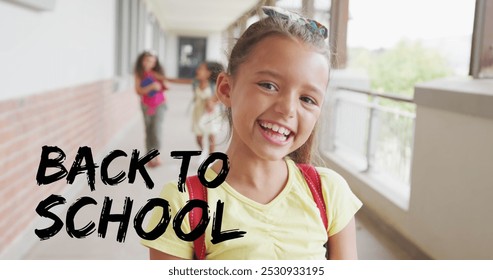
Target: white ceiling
198 16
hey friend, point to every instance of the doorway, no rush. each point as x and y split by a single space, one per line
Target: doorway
191 52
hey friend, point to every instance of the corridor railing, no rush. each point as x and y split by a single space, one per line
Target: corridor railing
373 132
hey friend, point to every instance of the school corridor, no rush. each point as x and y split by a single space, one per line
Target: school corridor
372 240
407 122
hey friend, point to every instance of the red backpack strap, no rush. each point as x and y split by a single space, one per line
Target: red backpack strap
312 178
197 191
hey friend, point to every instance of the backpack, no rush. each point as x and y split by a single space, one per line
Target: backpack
197 191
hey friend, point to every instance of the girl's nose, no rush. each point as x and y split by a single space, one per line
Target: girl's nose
286 104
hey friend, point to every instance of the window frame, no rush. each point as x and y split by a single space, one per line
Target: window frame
481 64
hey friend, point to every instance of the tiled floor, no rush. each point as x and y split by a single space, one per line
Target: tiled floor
372 244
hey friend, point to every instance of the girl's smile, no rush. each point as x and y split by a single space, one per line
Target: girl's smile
275 133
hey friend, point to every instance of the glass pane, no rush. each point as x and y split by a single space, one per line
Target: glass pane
400 43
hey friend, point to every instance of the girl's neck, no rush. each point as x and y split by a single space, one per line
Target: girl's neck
247 170
203 83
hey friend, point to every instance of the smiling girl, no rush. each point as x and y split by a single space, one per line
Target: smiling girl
273 90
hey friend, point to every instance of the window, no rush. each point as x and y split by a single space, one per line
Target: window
400 43
391 46
136 30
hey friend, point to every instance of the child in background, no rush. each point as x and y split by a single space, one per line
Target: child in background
206 119
150 86
273 90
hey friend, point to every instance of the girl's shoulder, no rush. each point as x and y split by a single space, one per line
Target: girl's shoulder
331 177
196 83
334 185
327 176
173 195
342 204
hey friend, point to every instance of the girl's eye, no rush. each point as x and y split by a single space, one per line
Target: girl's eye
268 86
308 100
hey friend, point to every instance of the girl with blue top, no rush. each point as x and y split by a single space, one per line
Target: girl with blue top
274 89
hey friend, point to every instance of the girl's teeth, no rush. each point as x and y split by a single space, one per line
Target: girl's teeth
276 128
278 137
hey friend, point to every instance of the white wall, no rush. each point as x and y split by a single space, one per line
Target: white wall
452 180
41 51
452 187
217 48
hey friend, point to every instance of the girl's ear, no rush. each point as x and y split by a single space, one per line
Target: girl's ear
223 89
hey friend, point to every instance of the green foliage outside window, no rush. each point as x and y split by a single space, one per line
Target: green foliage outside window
397 70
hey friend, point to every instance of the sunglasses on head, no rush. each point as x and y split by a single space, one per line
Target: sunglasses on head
313 25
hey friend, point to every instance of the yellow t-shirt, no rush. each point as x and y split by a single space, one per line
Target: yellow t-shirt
288 227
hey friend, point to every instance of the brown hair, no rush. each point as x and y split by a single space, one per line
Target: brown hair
215 68
281 27
139 69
